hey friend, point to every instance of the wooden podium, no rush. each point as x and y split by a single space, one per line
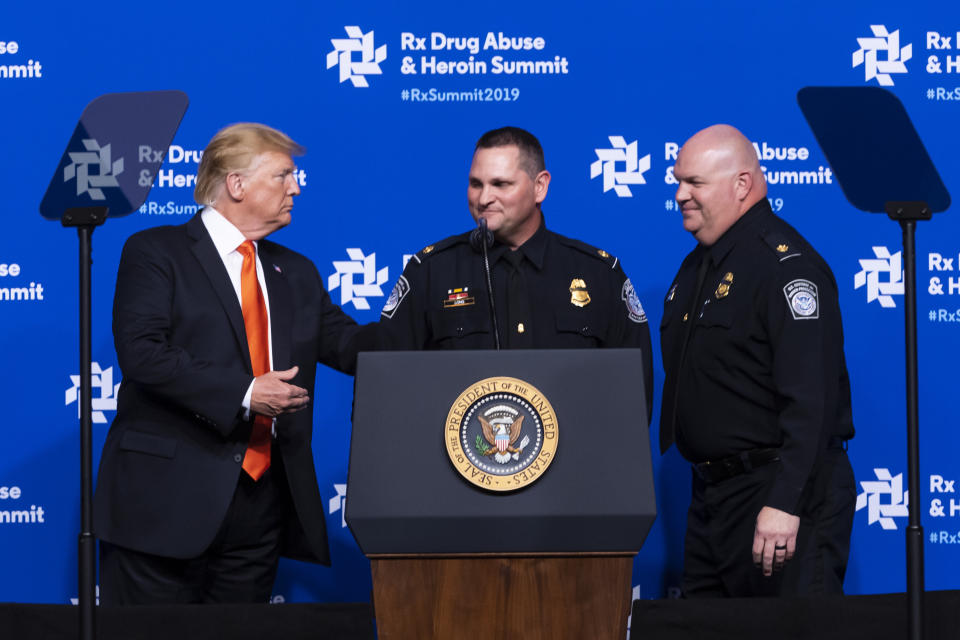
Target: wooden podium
451 560
576 596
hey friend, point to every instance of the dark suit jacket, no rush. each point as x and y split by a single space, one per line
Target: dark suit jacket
173 454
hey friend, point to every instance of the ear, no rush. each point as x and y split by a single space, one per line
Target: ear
234 185
540 185
743 185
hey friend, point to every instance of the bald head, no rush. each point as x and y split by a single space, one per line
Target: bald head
719 179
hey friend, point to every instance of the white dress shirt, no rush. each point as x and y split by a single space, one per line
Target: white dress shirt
226 238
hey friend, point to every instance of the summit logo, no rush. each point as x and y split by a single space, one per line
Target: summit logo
93 169
887 265
620 166
884 499
345 51
883 42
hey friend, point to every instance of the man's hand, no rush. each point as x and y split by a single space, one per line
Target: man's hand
774 539
272 395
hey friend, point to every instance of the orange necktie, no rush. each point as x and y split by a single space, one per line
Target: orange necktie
257 459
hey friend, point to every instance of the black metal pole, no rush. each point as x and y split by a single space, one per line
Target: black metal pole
907 214
87 542
915 586
86 219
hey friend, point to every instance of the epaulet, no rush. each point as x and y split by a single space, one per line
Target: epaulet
437 247
780 245
590 250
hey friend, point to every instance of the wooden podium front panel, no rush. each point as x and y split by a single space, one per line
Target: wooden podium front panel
497 597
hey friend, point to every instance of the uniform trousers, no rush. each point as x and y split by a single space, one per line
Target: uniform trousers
718 556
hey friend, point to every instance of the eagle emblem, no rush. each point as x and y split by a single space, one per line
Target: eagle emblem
502 434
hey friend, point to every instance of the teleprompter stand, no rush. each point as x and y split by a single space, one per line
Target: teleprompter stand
86 219
100 175
452 560
883 167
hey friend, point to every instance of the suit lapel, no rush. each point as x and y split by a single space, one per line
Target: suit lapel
206 253
281 307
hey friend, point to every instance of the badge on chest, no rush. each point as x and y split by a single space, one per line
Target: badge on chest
723 289
579 296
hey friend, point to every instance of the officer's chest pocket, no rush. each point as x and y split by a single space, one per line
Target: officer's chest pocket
467 328
716 315
580 328
671 316
714 345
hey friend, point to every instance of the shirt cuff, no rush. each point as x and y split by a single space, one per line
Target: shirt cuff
246 400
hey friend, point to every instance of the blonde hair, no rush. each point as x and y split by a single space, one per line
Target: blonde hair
234 148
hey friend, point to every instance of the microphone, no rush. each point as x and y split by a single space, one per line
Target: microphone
481 239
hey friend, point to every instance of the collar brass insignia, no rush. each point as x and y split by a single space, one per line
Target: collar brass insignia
578 293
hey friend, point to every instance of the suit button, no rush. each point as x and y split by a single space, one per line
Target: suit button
459 332
237 458
584 329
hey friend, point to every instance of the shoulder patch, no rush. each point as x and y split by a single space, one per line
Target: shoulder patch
590 250
400 291
780 245
802 299
634 309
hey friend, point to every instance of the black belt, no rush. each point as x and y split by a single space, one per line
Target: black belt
714 471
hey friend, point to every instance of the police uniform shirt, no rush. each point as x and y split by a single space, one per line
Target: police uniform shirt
551 293
763 365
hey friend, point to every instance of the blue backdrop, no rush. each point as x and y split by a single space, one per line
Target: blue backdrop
389 99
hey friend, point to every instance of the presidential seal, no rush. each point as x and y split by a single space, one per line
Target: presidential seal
501 434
